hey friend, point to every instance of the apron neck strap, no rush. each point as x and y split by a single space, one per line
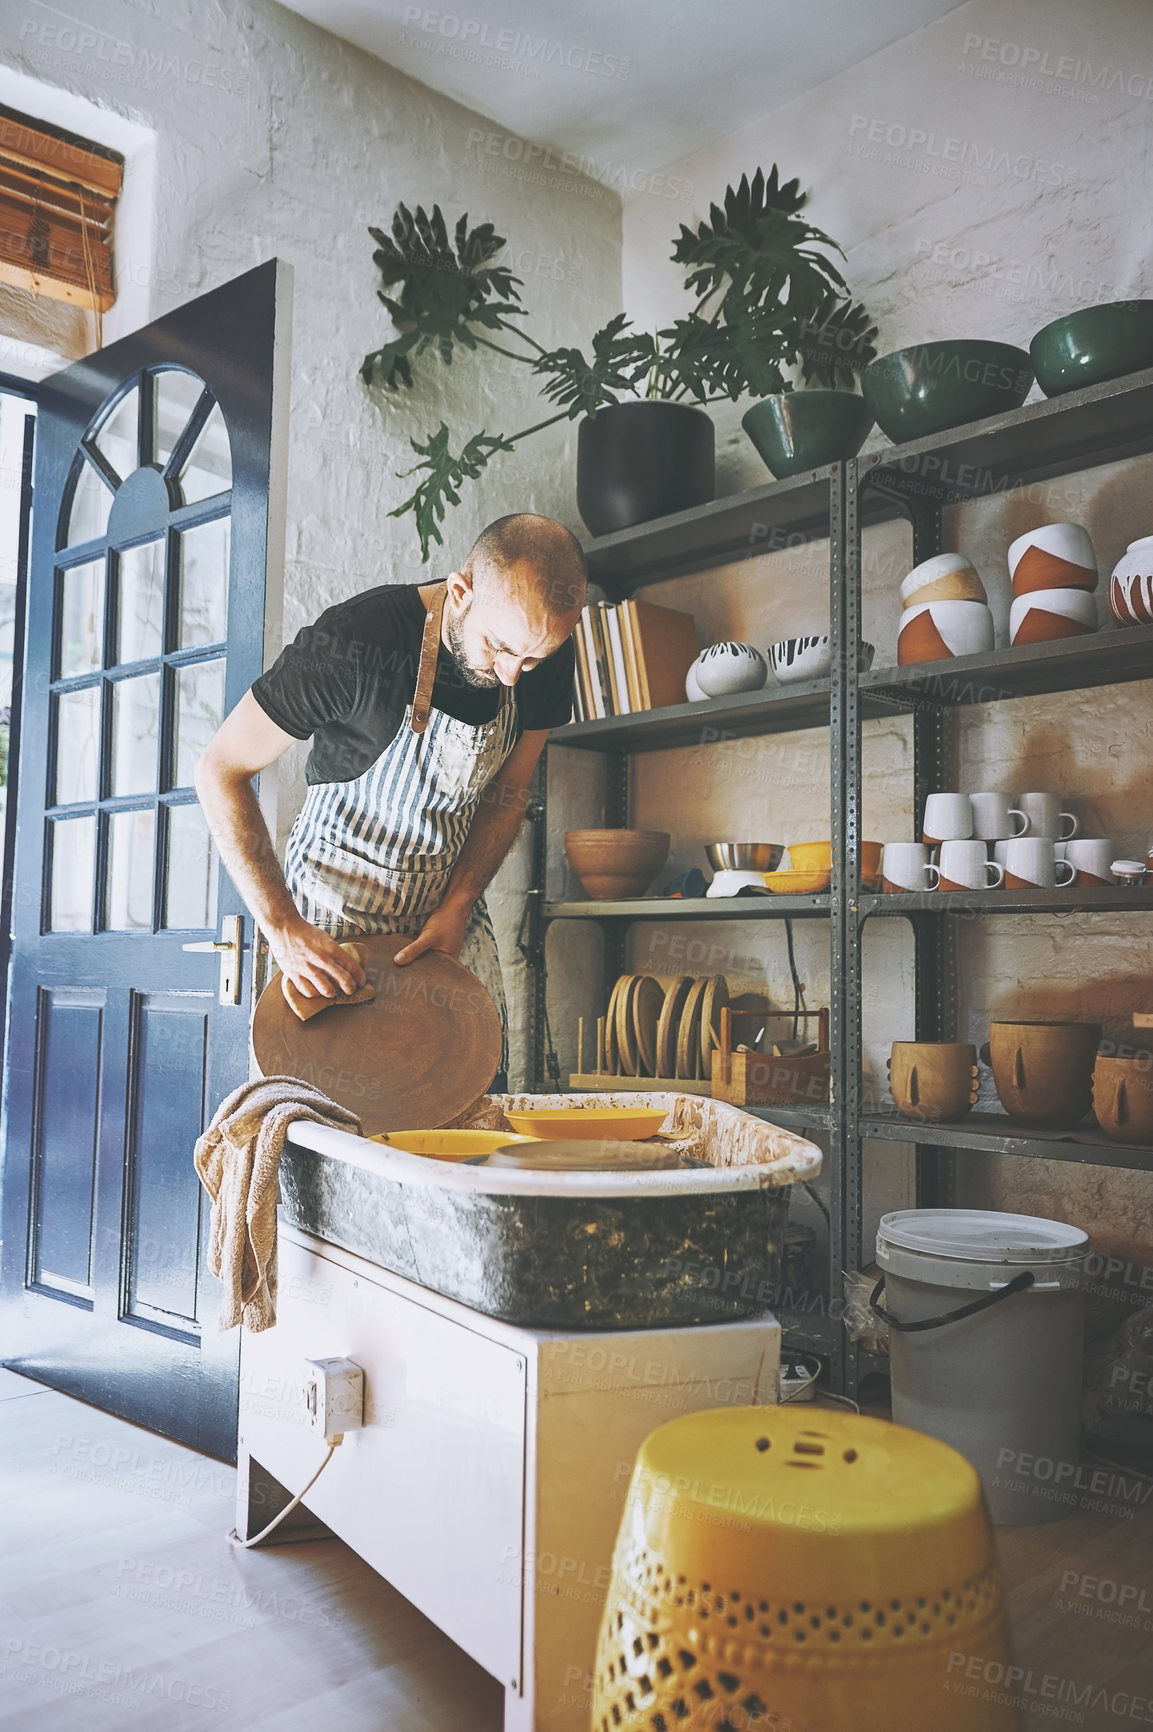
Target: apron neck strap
433 596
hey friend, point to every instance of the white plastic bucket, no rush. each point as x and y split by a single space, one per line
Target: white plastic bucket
1003 1383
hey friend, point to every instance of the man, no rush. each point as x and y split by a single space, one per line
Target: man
428 707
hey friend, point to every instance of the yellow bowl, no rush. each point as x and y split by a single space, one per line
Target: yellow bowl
561 1124
798 883
818 857
810 856
450 1145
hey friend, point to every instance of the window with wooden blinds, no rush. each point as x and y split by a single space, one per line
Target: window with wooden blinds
57 200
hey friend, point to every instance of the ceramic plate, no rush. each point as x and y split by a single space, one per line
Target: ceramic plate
648 1001
583 1156
612 1054
797 883
626 1035
669 1025
564 1123
715 999
689 1034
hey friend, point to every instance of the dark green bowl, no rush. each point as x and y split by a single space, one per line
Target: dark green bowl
1092 345
798 430
916 392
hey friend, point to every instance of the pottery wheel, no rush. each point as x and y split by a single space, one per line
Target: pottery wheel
411 1059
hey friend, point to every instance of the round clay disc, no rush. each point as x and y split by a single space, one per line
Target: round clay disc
689 1034
612 1054
585 1154
716 997
626 1035
412 1058
669 1025
648 1001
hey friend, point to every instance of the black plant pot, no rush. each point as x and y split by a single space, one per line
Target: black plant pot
636 461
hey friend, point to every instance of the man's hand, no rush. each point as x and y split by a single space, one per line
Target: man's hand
443 930
314 962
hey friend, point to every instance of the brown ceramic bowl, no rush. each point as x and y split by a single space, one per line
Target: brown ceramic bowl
614 865
1123 1097
1043 1071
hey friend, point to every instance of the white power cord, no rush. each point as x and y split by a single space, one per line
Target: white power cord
235 1539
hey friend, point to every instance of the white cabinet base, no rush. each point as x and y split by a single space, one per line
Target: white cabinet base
488 1481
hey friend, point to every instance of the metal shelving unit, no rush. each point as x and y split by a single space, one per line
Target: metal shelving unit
1079 431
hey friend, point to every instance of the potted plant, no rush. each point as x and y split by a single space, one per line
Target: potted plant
761 277
828 421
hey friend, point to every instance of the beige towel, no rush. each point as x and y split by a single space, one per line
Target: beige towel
238 1160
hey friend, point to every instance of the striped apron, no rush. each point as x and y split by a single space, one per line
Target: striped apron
375 854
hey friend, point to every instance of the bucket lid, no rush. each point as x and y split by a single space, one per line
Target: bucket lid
981 1236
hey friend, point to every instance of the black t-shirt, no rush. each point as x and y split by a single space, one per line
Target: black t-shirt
346 679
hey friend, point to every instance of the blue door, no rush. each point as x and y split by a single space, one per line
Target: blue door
151 531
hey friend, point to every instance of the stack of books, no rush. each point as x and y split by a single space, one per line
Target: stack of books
632 656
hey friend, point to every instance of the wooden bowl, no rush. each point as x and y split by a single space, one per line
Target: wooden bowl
1043 1071
1123 1097
614 865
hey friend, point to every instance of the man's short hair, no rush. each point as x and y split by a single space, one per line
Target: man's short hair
524 538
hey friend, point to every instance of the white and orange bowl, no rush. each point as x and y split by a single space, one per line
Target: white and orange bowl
1045 614
1053 556
945 577
1131 585
938 630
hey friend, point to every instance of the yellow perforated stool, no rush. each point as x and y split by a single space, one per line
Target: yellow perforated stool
787 1571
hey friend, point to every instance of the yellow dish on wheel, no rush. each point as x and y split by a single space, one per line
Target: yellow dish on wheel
561 1124
450 1145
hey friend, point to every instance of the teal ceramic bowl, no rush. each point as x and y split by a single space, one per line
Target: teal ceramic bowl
798 430
924 390
1092 345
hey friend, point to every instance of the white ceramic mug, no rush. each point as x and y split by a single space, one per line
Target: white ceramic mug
995 818
1045 817
966 866
1091 858
906 866
1030 864
948 818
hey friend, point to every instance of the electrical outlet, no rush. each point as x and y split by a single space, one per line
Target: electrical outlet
333 1396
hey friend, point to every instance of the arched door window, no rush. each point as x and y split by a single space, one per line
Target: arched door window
138 669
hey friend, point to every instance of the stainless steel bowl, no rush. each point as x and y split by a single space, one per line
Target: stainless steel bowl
744 856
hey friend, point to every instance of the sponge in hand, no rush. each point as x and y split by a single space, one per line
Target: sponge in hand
309 1007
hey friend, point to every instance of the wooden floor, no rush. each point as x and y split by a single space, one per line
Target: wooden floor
122 1603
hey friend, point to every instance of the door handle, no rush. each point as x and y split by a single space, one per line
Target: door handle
228 947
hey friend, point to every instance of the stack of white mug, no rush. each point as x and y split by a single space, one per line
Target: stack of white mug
986 841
